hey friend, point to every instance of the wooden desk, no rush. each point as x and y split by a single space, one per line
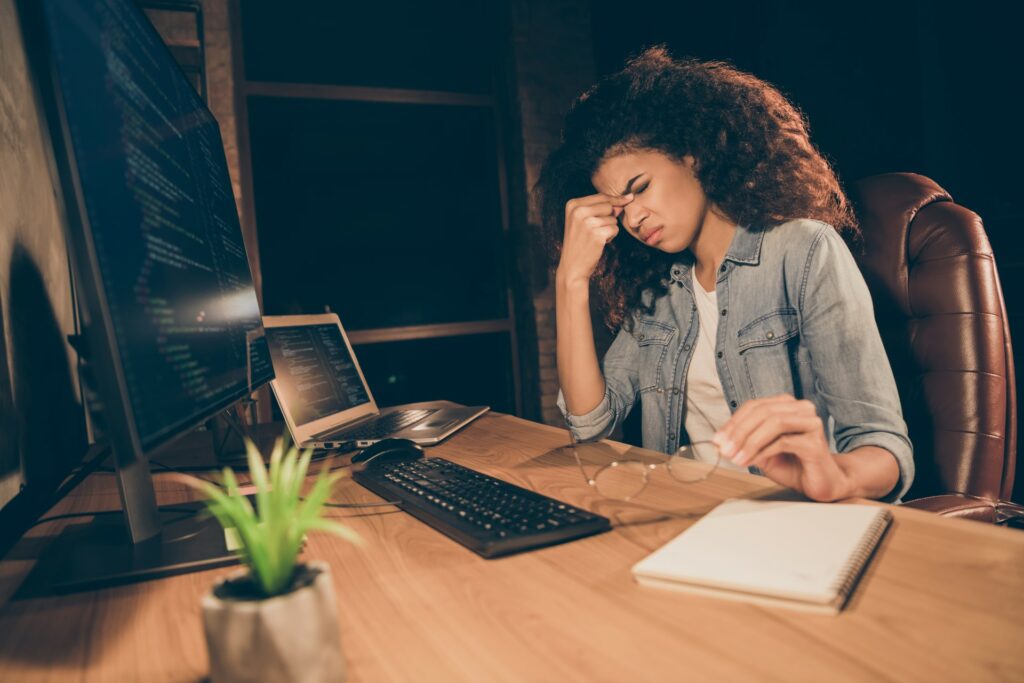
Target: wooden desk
943 599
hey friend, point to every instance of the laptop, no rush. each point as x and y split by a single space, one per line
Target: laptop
325 398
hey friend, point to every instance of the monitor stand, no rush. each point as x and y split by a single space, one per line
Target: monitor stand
100 553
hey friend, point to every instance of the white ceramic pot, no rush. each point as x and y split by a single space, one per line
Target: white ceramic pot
291 637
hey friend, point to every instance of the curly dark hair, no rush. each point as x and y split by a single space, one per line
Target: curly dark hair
754 161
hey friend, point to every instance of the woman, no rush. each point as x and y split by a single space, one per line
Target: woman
713 243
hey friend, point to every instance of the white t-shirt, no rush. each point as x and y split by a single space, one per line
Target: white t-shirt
706 407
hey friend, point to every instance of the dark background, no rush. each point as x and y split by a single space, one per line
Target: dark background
900 86
402 199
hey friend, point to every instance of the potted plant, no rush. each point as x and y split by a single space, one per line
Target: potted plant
275 620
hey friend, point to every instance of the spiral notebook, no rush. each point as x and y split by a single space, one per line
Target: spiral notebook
805 556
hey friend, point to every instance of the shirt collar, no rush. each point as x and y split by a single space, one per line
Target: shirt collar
746 245
679 273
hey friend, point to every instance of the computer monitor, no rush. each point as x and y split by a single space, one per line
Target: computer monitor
166 296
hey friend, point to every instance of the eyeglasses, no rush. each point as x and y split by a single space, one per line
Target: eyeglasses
627 478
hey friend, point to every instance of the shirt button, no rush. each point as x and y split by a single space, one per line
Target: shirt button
724 311
686 347
671 436
770 335
719 354
732 404
640 337
722 269
660 390
675 390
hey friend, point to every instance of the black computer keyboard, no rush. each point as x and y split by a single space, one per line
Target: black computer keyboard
489 516
385 425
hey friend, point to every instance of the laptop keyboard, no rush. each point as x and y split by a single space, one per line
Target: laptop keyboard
386 425
489 516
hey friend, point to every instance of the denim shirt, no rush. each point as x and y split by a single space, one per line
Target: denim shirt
796 318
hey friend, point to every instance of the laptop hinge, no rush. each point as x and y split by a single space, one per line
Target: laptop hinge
343 428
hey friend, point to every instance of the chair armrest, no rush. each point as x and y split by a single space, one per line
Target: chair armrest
958 505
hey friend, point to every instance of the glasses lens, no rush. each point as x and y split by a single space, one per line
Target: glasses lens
621 480
694 462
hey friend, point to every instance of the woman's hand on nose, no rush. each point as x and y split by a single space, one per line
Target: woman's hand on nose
590 224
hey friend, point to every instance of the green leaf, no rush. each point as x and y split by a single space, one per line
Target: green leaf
272 535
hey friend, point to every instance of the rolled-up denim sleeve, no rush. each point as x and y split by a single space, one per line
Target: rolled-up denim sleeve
621 381
852 372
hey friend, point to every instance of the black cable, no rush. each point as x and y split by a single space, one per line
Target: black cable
327 504
76 475
187 511
234 425
97 513
363 505
177 470
241 466
191 471
188 471
93 465
102 453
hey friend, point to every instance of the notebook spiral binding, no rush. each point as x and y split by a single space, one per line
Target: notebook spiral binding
859 560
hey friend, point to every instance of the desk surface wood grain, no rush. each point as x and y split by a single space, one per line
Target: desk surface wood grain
942 600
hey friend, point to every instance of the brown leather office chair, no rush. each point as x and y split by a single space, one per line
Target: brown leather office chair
940 310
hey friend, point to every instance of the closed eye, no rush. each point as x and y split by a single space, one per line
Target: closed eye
643 187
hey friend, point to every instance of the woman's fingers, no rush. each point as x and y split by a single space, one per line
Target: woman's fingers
772 430
785 438
597 229
590 224
593 199
598 221
594 205
606 234
732 434
796 461
759 422
784 444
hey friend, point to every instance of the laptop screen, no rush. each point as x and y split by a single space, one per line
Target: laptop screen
316 375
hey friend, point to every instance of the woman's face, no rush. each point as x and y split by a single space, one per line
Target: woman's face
669 205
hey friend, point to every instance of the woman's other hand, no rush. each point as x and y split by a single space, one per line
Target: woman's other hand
785 438
590 224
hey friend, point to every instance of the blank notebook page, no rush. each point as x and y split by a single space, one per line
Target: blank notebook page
800 551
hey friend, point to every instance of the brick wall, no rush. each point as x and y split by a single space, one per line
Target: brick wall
553 63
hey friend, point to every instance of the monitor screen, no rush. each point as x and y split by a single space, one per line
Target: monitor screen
316 374
162 226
